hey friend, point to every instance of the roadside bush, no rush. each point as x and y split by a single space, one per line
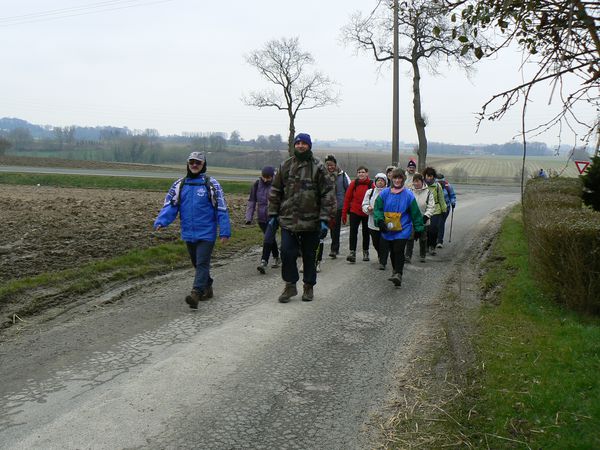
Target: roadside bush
564 242
591 184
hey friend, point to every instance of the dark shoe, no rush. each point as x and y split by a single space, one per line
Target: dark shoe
381 266
407 259
366 255
332 255
193 299
276 263
288 292
208 293
307 295
422 259
263 265
351 257
439 246
396 279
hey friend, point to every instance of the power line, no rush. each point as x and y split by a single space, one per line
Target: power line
62 13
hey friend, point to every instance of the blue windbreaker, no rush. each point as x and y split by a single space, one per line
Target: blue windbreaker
199 217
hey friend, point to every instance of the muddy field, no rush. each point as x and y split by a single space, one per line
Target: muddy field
47 229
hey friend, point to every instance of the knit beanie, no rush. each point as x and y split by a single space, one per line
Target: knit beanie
303 137
382 176
268 171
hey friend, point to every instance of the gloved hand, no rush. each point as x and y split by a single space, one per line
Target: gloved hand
248 222
344 219
274 221
453 205
381 225
323 230
417 235
425 220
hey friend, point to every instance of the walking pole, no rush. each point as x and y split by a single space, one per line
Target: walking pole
451 220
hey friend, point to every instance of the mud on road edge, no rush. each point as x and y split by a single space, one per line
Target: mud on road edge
438 375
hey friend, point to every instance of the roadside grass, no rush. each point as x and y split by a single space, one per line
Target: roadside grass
107 182
49 289
536 381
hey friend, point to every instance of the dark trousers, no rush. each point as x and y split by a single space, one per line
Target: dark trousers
422 246
294 244
382 251
335 232
320 251
355 221
396 250
432 231
442 227
200 254
268 247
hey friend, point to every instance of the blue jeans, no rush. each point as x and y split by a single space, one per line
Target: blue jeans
200 254
292 244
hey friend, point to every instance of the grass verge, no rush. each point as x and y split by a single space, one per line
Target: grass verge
108 182
516 372
28 296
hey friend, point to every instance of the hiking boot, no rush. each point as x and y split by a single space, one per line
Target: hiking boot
381 266
351 257
276 263
288 292
263 265
396 279
332 255
208 293
193 299
366 255
318 267
307 295
439 246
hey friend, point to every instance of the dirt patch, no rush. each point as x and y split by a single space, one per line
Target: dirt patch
47 229
9 160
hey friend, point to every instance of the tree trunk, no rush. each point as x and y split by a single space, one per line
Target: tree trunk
291 136
419 122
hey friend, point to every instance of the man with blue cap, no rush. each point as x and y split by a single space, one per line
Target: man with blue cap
302 201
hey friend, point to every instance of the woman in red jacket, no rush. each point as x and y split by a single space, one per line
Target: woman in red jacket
353 207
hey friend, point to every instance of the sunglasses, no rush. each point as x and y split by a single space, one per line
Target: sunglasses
195 162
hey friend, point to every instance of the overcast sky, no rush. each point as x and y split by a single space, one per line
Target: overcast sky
178 65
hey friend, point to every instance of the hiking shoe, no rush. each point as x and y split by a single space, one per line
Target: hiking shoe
351 257
422 259
263 265
332 255
381 266
288 292
439 246
307 295
318 267
276 263
366 255
432 251
193 299
396 279
208 293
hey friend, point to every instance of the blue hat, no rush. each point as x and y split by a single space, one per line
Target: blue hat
268 171
304 137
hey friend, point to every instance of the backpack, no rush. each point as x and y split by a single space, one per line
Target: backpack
210 187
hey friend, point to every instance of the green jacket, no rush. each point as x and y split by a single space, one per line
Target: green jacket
438 196
302 194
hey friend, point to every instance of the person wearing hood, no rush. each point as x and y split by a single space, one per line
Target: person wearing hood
430 177
200 202
302 202
367 207
398 217
427 207
353 209
259 202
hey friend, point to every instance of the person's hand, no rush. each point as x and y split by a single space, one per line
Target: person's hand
323 230
157 228
370 209
273 221
381 225
224 239
332 224
453 205
417 235
248 222
425 220
344 219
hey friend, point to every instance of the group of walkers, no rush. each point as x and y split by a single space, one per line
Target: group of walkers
307 199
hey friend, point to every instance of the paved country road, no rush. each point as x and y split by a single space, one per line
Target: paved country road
241 372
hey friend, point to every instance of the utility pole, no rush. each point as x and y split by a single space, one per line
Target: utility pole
396 110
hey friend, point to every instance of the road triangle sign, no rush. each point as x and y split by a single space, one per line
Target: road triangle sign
582 165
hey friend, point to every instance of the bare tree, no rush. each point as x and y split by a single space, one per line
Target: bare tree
425 39
5 144
284 64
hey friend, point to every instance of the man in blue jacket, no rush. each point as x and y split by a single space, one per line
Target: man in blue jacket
200 202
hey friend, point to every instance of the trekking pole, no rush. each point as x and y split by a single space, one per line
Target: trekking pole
451 220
